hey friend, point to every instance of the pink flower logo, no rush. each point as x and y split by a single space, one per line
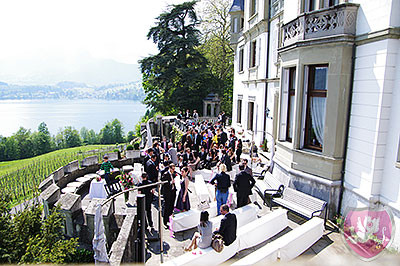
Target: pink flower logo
368 231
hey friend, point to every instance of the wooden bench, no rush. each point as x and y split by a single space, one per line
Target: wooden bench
301 203
269 187
113 188
288 246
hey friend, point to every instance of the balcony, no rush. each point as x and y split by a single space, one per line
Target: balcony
336 21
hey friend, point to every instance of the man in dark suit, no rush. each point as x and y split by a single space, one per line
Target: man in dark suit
148 193
168 190
225 159
149 152
223 137
187 157
151 169
228 226
196 141
242 185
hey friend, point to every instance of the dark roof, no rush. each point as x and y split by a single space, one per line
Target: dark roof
238 5
212 97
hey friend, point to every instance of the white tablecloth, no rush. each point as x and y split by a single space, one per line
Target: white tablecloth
97 189
201 189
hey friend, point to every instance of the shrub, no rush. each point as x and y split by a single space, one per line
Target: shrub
129 147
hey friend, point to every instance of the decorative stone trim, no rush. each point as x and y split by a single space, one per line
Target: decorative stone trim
388 33
338 20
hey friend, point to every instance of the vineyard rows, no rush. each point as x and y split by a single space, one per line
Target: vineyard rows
23 184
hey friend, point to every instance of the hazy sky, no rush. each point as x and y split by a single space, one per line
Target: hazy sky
41 39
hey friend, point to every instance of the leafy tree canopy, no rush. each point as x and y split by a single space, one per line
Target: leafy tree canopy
177 77
215 46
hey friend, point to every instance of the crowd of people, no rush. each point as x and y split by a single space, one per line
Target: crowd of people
203 145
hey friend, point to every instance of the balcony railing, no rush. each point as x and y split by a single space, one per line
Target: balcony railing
334 21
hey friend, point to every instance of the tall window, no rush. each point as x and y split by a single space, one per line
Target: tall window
316 106
239 111
311 5
235 25
333 2
250 116
241 54
253 7
291 99
253 50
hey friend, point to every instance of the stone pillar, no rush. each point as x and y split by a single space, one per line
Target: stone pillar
69 204
205 108
212 110
107 211
91 160
71 167
46 183
218 108
58 174
50 196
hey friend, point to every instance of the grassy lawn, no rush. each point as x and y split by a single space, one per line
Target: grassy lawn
9 166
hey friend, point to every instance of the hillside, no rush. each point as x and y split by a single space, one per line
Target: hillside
72 90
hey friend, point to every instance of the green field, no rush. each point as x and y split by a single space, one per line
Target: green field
11 166
20 178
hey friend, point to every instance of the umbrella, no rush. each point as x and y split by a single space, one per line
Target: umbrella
99 239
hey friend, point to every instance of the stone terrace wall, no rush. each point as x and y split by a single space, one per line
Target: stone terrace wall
123 249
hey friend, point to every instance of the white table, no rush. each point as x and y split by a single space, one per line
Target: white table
97 189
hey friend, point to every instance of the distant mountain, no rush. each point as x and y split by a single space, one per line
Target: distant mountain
70 84
73 90
50 67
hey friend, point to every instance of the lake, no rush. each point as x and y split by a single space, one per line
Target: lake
58 113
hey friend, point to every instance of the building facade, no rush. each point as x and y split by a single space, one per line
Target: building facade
323 78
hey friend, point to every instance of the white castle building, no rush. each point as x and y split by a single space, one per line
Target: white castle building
323 78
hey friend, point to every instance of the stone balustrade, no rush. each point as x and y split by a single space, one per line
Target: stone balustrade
335 21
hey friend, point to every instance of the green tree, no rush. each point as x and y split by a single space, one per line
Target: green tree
89 137
177 77
6 237
112 132
24 143
26 224
11 148
118 132
215 28
71 137
130 136
41 140
68 138
2 148
49 246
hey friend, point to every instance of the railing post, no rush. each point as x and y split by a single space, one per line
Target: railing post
142 226
160 223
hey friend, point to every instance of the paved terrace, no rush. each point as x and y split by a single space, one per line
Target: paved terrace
329 250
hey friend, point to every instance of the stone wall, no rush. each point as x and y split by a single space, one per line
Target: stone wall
79 223
123 249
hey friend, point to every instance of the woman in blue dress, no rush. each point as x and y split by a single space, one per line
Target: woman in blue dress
182 203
